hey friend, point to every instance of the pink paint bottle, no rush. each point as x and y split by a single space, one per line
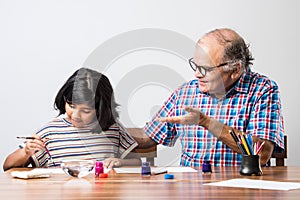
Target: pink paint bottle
99 168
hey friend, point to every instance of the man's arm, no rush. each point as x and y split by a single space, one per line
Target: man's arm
22 157
143 140
219 130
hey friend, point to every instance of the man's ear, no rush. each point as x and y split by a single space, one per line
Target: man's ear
237 70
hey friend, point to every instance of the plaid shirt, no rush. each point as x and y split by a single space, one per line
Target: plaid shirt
252 106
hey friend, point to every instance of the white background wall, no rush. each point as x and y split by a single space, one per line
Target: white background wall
43 42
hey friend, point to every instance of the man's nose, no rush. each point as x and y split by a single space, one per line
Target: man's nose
198 74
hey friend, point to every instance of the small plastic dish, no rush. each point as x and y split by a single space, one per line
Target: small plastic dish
77 168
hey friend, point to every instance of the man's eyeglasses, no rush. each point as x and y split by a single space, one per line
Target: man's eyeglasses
204 69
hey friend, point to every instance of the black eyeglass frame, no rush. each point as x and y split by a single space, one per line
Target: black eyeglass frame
203 69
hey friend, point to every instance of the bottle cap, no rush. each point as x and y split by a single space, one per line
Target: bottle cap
169 176
99 164
145 164
103 175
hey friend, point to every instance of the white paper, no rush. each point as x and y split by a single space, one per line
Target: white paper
137 170
60 171
257 184
127 170
105 170
34 173
42 172
55 170
180 169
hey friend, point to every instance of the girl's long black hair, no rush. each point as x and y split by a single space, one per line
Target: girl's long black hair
93 88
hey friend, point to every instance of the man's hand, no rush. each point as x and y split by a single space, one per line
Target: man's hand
192 117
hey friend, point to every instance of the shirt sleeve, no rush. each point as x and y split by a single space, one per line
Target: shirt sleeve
126 143
266 120
41 157
163 133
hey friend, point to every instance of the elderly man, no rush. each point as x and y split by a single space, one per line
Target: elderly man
226 95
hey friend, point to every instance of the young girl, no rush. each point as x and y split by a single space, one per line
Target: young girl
86 128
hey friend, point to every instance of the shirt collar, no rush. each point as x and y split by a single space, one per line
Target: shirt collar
89 126
242 85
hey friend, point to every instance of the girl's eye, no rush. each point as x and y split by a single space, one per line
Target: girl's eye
86 111
71 106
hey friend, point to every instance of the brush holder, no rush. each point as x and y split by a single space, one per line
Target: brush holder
250 165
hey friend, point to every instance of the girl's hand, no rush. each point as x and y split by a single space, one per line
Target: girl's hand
33 145
192 117
112 162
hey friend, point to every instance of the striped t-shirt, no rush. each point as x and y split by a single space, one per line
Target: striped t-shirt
67 142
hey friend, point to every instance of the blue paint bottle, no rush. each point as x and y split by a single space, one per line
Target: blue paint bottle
206 167
146 170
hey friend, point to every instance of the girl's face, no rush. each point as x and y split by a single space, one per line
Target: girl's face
80 115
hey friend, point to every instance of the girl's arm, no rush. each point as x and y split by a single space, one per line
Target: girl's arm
132 159
18 158
22 157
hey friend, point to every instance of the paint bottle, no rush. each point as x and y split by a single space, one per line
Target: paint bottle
99 168
146 170
206 167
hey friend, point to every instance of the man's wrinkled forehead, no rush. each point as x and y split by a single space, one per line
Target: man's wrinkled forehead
201 51
208 51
